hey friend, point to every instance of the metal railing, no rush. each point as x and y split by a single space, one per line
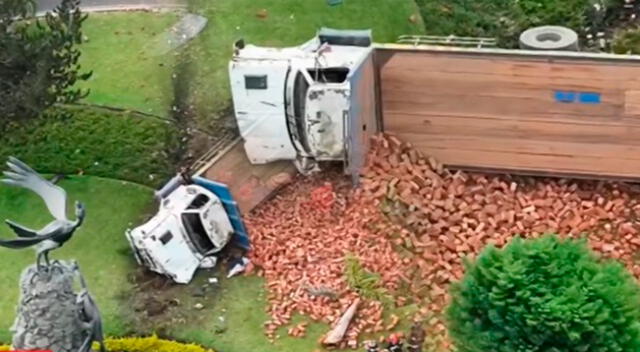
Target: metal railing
225 142
478 42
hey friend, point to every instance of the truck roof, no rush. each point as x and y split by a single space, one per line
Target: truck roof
334 56
175 203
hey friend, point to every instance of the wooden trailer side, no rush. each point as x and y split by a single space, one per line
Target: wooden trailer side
519 111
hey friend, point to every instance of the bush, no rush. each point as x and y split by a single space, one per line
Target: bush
96 142
506 19
366 283
544 294
627 41
142 344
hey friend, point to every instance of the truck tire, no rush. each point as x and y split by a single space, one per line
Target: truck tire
549 38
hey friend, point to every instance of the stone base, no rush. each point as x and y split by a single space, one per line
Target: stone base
48 317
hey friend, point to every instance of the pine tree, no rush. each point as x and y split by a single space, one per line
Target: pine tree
38 58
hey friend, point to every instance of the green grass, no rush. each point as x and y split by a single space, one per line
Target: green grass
99 245
288 23
128 70
101 143
241 301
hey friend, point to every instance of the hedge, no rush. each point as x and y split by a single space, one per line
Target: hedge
506 19
142 344
96 142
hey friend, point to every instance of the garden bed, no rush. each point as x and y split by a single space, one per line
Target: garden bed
506 19
411 223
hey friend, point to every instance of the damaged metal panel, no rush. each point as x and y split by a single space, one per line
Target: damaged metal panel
362 120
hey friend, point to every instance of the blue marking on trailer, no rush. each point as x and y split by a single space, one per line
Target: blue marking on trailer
589 98
563 96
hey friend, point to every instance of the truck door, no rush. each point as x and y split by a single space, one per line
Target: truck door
327 113
316 109
173 254
258 90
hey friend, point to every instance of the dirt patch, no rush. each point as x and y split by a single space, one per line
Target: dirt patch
160 305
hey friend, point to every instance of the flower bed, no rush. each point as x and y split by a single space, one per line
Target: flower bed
143 344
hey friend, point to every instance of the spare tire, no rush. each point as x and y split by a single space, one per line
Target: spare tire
549 38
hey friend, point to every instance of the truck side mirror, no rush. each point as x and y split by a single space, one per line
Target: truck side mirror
239 44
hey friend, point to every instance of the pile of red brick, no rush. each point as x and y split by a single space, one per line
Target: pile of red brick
439 216
449 215
300 240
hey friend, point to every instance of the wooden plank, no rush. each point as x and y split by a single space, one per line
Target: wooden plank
515 107
249 184
535 163
632 102
523 67
619 131
561 149
500 86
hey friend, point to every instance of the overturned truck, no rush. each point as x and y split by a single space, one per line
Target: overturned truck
516 111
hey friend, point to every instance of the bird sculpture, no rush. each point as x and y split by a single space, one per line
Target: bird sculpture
54 234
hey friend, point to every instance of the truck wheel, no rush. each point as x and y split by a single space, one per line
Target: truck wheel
549 38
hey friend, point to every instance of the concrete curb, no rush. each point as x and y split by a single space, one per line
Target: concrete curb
122 8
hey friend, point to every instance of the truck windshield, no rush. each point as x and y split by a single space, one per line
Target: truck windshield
197 233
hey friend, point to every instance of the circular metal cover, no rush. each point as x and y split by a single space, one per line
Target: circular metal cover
549 38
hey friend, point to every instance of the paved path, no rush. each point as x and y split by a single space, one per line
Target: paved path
115 5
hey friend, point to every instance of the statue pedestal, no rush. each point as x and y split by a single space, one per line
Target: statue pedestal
48 317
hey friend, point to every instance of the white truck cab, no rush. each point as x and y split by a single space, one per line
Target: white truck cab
293 103
190 225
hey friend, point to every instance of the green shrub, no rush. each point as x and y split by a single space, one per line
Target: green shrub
141 344
149 344
366 283
544 294
108 144
506 19
627 42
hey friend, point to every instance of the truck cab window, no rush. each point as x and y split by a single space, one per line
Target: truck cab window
198 201
330 74
255 82
164 239
197 233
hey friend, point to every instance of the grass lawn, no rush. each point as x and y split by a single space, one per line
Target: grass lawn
232 316
240 301
128 70
288 23
99 245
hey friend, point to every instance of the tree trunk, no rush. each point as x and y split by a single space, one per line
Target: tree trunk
48 317
337 333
